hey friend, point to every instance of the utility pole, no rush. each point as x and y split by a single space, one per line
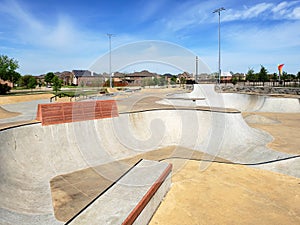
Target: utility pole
219 12
110 73
196 69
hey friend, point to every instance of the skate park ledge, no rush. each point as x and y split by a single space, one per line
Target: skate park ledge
67 112
132 199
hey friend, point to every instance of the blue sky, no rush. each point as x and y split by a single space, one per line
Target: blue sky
58 35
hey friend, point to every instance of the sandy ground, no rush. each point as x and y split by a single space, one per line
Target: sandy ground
22 98
285 132
71 192
16 99
229 194
7 114
221 194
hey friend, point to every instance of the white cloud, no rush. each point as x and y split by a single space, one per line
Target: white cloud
55 33
188 14
150 8
30 30
256 10
249 46
55 42
268 11
283 35
193 13
295 14
281 6
246 13
14 9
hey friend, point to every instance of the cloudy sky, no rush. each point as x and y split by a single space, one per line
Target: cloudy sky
58 35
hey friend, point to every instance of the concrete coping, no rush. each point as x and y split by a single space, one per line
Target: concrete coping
171 107
132 199
192 99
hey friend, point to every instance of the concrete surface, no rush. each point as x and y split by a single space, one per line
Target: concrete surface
32 155
27 109
242 102
117 203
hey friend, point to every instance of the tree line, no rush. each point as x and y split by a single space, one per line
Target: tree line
262 77
8 67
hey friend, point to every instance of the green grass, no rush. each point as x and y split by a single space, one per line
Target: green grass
74 91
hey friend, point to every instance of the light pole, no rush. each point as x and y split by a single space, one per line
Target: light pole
110 74
219 12
196 69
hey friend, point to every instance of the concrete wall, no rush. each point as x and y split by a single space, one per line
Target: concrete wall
32 155
242 102
261 89
131 200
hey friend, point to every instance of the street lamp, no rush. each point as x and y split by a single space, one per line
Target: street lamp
219 12
110 74
196 77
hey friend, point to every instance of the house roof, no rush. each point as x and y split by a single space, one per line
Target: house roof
226 74
82 73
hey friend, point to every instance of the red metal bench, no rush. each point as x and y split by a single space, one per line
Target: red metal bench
67 112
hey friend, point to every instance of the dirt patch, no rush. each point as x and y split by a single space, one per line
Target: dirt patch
23 98
71 192
285 133
7 114
257 119
4 114
229 194
220 194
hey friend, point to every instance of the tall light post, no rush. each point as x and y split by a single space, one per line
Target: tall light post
219 12
110 74
196 69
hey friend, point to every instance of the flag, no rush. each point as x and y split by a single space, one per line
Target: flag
280 69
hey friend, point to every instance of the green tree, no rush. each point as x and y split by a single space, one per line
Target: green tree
234 80
284 75
7 65
250 76
4 88
14 77
8 72
274 76
155 81
298 75
283 78
173 80
162 81
48 78
147 82
263 75
56 83
182 81
32 82
28 81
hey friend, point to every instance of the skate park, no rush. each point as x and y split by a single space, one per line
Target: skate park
200 126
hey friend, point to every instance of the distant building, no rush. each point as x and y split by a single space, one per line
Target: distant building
226 77
136 78
185 78
10 84
66 77
88 78
239 76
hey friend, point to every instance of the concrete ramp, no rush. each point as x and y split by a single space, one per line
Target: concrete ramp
133 199
242 102
32 155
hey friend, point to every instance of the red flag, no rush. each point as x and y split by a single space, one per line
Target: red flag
280 68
